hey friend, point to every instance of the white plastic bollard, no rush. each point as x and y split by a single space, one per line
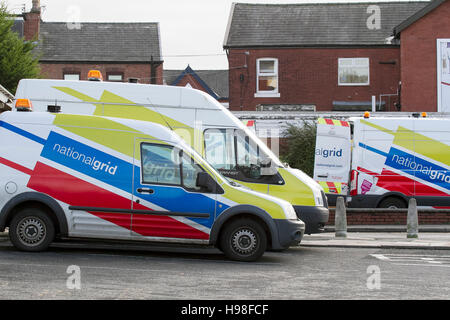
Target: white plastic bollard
412 222
340 219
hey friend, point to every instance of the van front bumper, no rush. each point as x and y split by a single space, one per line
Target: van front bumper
290 233
314 217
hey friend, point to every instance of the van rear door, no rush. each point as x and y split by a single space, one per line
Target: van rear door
332 157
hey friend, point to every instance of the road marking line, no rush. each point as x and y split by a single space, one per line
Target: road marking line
422 265
380 257
396 259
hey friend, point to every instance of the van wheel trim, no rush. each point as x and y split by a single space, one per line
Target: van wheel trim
244 241
31 231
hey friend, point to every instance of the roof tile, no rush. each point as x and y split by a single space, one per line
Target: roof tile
102 42
318 24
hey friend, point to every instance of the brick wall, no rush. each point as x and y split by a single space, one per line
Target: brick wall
310 76
382 218
141 70
418 59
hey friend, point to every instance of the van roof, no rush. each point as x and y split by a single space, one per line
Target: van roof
155 95
353 119
41 118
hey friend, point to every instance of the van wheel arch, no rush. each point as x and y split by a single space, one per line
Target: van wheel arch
38 201
393 200
243 216
242 212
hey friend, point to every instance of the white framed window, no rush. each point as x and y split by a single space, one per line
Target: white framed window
115 77
353 72
267 77
71 76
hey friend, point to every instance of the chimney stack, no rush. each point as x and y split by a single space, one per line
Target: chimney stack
36 6
32 22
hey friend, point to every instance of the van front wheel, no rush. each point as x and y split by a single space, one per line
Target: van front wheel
243 240
31 230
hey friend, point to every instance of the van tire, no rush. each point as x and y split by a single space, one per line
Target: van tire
392 203
243 240
31 229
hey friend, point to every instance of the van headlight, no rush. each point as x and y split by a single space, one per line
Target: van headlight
290 213
319 201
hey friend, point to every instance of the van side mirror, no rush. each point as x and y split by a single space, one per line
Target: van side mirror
267 169
205 181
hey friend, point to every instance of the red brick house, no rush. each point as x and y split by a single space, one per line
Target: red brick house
332 56
213 82
425 58
121 51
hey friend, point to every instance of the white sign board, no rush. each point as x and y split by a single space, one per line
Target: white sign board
332 158
443 75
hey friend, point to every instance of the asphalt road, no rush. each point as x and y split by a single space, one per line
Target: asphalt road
85 270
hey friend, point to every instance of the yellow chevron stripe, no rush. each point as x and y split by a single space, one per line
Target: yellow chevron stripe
112 105
120 138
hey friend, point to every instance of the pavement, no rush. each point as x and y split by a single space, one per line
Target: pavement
386 237
391 228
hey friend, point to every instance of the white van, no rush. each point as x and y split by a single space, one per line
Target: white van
389 161
214 132
110 178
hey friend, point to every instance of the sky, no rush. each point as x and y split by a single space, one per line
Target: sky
192 31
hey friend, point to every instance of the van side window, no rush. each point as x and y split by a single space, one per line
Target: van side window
219 148
236 156
160 164
189 171
247 152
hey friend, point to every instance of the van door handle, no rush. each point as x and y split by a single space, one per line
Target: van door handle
145 190
322 176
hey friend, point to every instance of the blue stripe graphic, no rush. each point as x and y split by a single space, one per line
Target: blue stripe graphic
21 132
365 146
89 161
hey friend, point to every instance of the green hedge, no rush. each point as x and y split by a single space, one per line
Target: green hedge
299 148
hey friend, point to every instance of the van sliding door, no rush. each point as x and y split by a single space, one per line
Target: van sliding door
167 204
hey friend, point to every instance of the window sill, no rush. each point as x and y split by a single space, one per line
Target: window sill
267 95
353 84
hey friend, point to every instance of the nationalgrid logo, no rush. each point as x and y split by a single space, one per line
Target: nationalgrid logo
418 167
325 153
91 161
88 160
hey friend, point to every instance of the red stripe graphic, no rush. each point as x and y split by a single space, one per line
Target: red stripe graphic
16 166
77 192
329 121
344 123
332 187
392 181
